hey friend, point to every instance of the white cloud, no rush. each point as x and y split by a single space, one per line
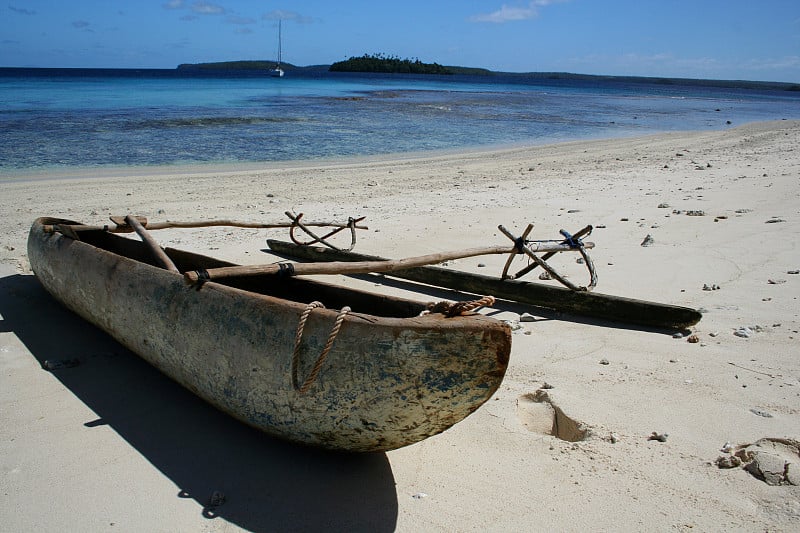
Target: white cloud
174 4
509 13
207 8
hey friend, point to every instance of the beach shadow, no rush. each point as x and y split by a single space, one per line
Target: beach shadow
231 470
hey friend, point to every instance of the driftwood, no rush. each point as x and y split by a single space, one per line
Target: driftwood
581 303
363 267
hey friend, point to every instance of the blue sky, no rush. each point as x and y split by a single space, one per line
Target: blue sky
734 39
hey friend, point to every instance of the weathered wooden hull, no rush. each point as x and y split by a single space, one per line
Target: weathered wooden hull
581 303
389 380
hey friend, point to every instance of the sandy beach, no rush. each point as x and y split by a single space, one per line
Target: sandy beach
112 445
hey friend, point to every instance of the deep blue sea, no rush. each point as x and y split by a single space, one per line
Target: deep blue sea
51 118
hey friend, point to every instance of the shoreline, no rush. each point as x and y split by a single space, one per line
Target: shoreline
182 169
102 440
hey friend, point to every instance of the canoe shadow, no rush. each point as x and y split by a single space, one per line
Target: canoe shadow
267 484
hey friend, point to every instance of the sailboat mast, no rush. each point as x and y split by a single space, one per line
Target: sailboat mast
280 56
277 71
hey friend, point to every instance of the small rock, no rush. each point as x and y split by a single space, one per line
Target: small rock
693 339
580 261
55 364
546 385
372 184
574 211
624 219
727 447
664 206
712 287
660 437
713 334
677 335
773 460
648 241
527 317
774 221
216 499
604 361
743 332
674 360
776 281
760 412
728 461
614 438
481 265
768 466
544 276
696 213
419 495
788 272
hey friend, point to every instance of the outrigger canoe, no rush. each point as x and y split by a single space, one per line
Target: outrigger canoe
393 375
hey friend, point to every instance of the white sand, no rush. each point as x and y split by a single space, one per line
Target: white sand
111 445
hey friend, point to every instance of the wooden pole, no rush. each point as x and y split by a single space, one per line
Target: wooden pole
160 255
364 267
123 227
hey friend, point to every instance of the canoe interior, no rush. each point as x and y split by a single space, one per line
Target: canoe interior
292 289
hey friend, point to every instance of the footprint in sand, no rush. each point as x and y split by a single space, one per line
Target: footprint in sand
539 414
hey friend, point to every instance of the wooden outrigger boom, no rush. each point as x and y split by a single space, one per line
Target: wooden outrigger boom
348 266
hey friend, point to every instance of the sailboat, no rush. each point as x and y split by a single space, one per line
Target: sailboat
277 71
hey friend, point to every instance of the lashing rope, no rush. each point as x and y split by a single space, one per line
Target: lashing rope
451 309
312 376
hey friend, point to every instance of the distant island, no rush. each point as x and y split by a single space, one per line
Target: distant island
379 63
388 65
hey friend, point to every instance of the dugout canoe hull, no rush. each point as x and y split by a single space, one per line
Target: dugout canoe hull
392 378
580 303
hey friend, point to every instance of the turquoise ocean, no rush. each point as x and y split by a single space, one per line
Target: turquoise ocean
66 118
